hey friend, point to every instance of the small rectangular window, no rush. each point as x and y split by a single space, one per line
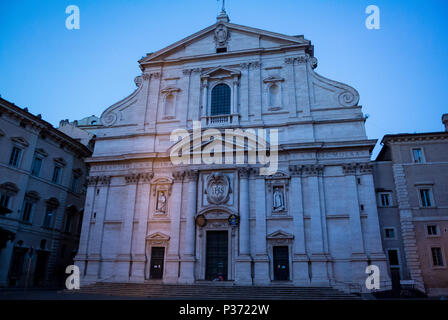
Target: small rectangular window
4 200
15 157
68 222
35 169
432 230
390 233
437 257
393 257
385 199
48 217
425 197
56 174
417 155
27 207
75 181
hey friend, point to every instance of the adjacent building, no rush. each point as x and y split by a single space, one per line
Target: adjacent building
411 183
313 222
42 193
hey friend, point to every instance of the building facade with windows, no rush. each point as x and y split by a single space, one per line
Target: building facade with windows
411 183
42 177
312 222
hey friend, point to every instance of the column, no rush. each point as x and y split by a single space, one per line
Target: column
123 257
96 237
235 113
172 259
318 257
81 257
300 258
243 261
290 85
358 255
375 247
204 102
153 98
256 90
244 110
139 247
261 259
188 259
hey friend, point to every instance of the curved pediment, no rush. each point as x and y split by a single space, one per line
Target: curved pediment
238 140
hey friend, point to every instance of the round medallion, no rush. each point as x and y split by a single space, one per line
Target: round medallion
201 220
234 220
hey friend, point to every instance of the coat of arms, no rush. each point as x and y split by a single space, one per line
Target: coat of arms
218 188
221 36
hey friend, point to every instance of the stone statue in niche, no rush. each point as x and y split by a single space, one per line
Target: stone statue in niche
278 199
161 202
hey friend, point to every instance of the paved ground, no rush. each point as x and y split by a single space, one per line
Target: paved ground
53 294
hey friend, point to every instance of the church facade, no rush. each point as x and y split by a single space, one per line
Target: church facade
312 222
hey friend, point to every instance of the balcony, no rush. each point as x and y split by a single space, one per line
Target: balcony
225 120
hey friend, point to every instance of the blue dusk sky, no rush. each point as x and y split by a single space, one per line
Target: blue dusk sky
400 70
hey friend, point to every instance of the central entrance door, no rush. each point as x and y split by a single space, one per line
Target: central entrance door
281 263
217 252
157 257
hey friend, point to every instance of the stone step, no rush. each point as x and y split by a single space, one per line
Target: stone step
210 292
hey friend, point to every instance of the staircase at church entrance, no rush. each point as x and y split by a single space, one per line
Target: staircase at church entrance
214 292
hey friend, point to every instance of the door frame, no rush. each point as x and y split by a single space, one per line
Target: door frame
201 248
228 252
279 243
150 261
156 239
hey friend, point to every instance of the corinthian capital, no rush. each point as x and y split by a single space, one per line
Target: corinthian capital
244 172
191 175
132 178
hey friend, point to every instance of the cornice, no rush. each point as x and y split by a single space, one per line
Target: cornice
43 127
245 52
410 137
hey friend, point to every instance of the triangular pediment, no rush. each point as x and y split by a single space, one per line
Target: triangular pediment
158 236
279 234
220 72
203 42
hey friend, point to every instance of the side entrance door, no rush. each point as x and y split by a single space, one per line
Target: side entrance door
281 263
157 258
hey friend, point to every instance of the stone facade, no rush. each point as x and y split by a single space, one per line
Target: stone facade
45 207
411 171
315 218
